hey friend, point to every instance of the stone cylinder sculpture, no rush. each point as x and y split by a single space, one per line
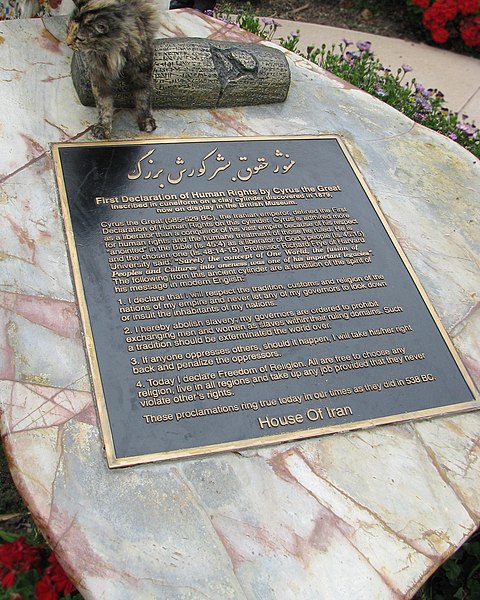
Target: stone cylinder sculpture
201 73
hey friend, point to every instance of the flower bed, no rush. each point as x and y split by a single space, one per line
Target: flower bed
358 65
31 572
455 21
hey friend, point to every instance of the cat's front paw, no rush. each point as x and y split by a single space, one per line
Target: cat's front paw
147 124
101 132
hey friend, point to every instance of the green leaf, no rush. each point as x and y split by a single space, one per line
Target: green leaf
474 588
8 537
452 569
459 594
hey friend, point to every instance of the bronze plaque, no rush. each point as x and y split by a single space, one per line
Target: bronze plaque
244 291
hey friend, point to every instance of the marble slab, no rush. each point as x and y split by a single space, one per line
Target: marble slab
365 515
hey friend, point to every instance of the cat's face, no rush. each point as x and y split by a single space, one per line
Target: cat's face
92 23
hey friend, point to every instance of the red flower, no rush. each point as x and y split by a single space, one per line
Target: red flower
468 7
16 557
441 19
440 35
439 13
45 589
18 554
8 579
421 3
62 584
432 19
448 8
470 32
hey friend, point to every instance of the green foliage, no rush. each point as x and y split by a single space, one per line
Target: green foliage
246 19
6 536
24 586
291 41
426 106
458 578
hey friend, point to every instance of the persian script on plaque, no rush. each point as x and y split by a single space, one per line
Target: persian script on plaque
244 291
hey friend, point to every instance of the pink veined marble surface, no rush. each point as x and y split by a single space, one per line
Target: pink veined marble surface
363 515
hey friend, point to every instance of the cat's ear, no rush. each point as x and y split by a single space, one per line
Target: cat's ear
101 26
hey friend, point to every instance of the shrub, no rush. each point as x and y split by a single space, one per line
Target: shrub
426 106
457 21
31 572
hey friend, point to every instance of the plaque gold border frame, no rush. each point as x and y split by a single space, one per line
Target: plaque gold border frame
267 440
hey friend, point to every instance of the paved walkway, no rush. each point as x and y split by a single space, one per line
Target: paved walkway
455 75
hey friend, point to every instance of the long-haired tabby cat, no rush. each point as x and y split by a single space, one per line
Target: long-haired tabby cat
116 38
